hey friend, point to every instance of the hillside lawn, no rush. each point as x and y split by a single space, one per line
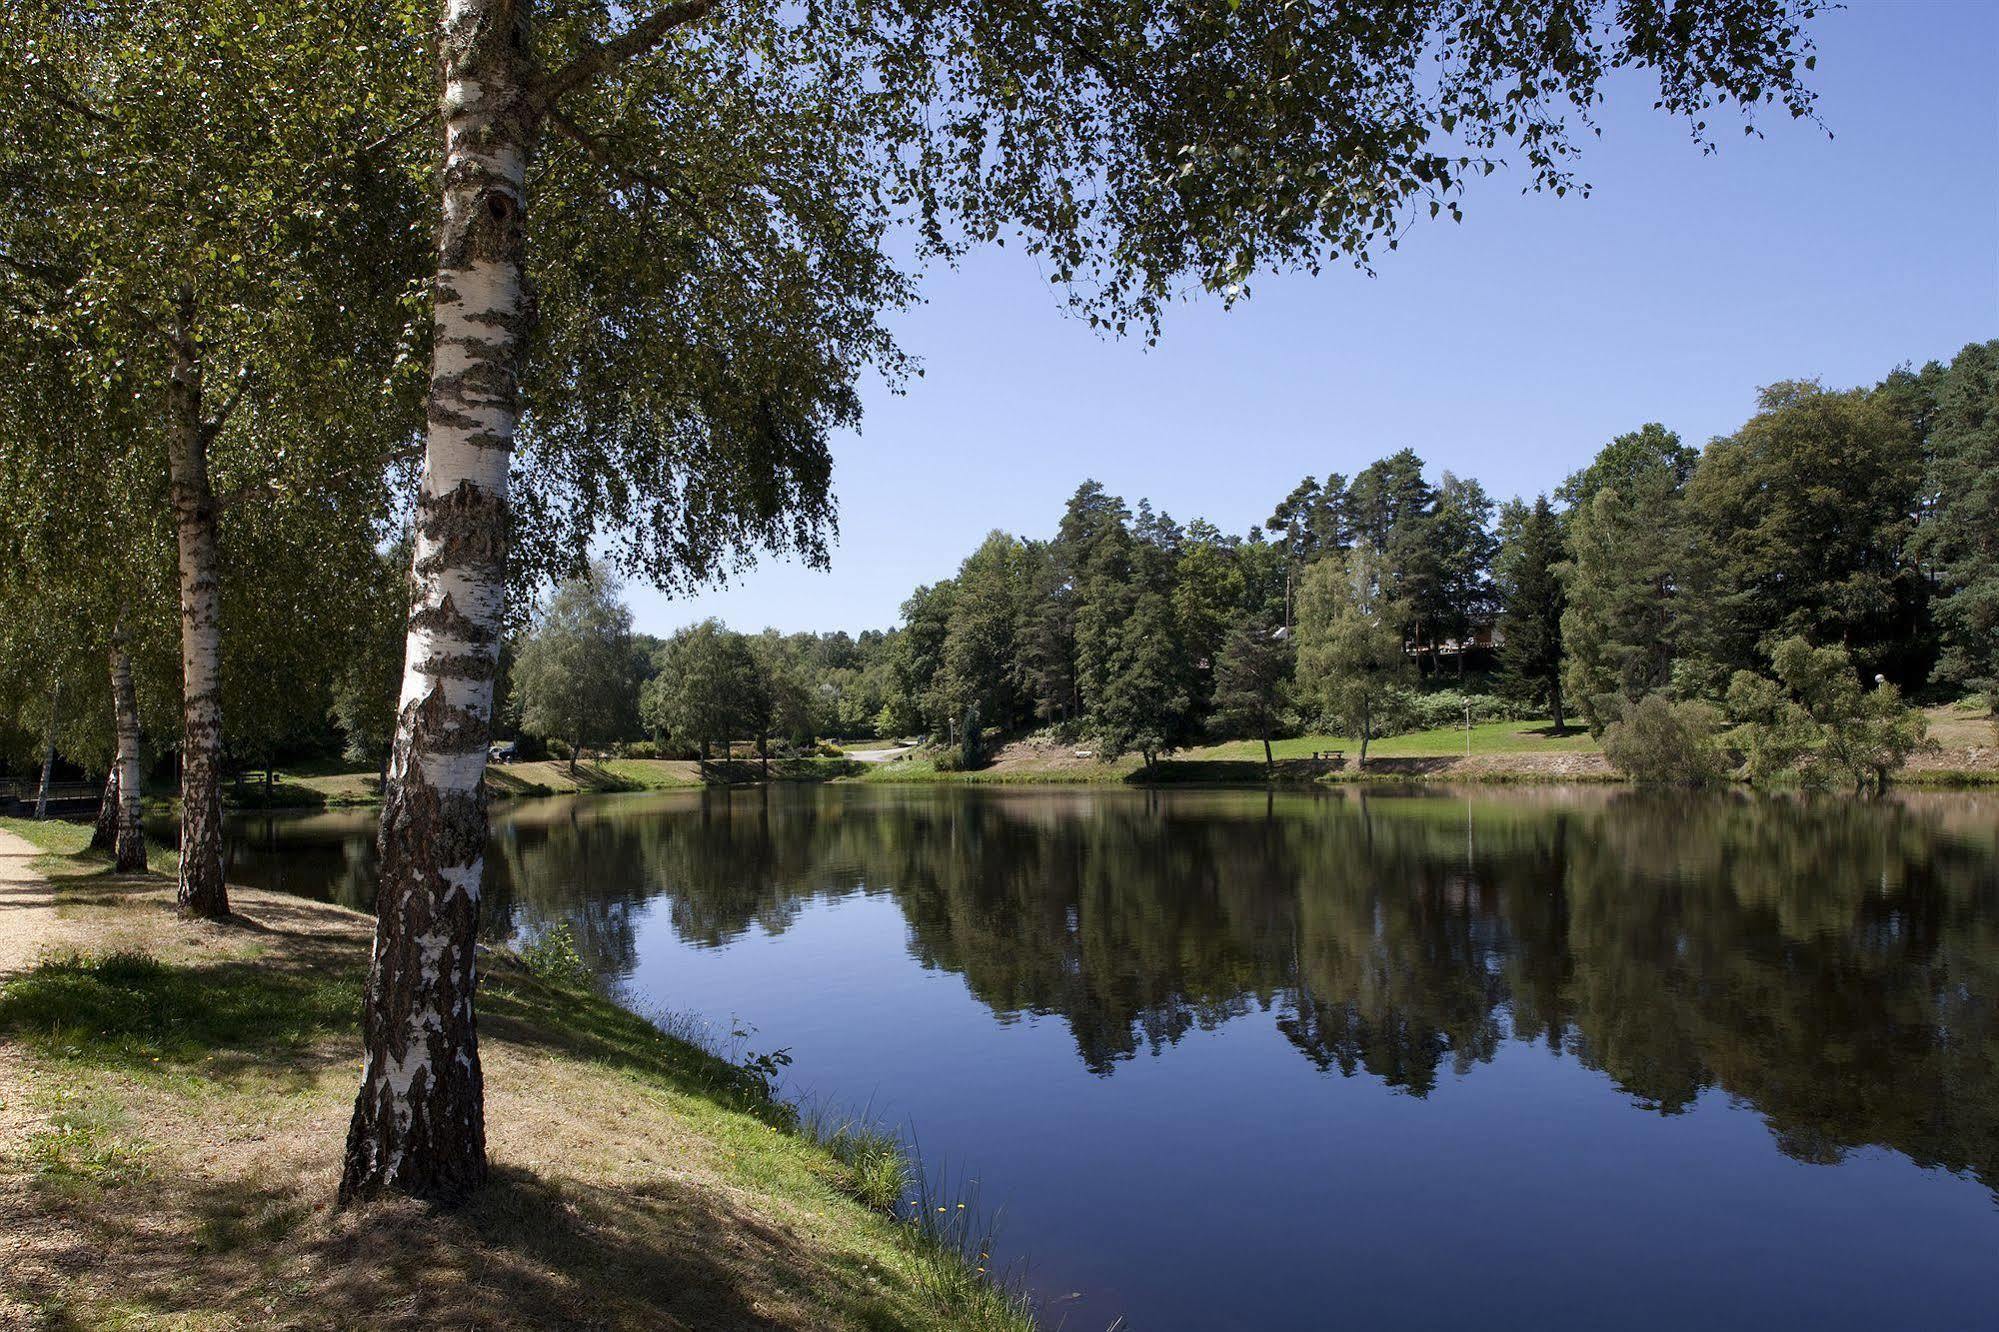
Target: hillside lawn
1966 753
173 1102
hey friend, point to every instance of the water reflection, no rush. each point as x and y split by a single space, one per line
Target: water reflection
1832 964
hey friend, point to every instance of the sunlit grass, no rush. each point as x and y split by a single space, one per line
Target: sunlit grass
1501 737
66 852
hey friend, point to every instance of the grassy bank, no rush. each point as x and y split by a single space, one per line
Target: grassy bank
332 788
173 1097
1500 751
1964 754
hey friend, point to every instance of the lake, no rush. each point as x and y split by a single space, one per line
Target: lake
1232 1059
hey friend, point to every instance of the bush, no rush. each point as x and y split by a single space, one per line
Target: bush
639 749
1446 707
552 956
1814 724
1658 742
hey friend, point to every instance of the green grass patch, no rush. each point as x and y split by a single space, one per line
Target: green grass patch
66 852
86 1142
131 1012
1502 737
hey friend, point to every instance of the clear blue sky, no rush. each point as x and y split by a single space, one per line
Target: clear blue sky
1509 347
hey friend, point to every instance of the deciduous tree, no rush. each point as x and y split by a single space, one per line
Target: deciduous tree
1351 662
574 678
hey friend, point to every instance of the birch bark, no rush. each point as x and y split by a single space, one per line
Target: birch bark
129 837
418 1125
48 753
201 890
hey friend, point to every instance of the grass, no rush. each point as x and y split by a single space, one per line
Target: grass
181 1090
66 849
323 786
1240 762
1505 737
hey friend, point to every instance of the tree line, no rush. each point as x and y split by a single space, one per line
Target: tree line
286 283
1852 524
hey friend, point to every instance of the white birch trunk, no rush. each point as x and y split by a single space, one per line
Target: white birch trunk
129 838
201 889
48 753
419 1125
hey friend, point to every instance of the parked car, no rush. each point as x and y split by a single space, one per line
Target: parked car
501 752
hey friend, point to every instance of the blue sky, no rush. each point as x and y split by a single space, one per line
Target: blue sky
1509 347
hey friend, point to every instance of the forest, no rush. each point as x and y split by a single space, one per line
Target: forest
1363 605
1857 522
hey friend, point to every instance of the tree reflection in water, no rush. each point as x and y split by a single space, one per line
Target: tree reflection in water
1832 963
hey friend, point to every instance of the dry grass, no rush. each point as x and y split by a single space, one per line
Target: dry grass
186 1089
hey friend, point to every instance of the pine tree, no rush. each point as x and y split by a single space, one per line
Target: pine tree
1531 604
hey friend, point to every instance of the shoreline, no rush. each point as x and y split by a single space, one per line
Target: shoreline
1588 768
175 1094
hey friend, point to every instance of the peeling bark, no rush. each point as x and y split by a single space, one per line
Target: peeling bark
129 836
201 890
419 1125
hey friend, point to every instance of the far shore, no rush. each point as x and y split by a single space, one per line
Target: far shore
1965 755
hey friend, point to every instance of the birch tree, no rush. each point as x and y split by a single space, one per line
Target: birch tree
200 202
80 568
715 185
1353 665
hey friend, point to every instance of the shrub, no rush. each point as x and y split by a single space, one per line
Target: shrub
1657 742
639 749
1446 707
552 956
1815 724
971 739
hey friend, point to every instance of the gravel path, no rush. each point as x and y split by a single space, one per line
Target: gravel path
27 906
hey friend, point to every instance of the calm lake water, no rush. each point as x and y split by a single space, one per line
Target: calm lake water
1233 1060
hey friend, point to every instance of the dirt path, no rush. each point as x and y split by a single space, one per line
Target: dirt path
879 755
27 906
27 925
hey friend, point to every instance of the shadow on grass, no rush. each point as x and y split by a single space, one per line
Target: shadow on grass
1231 772
645 1248
587 777
133 1014
741 771
526 1252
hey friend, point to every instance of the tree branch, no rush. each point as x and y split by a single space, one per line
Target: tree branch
212 427
603 56
599 152
274 488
